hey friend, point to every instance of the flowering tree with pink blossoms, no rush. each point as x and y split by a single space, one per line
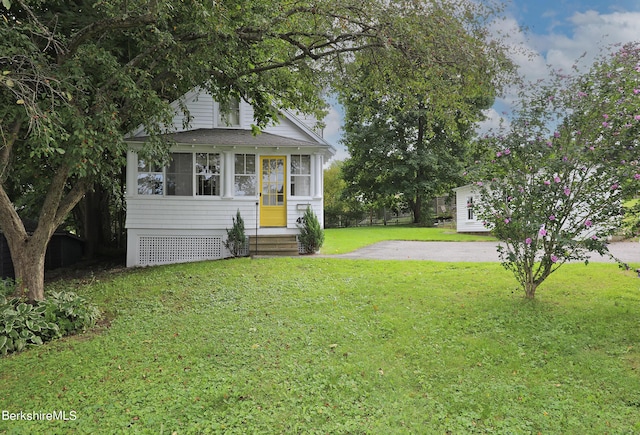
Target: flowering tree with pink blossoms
553 183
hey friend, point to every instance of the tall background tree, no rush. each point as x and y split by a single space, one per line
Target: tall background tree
411 112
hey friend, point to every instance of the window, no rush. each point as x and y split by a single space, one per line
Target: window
150 178
300 175
470 216
180 175
208 174
244 183
229 115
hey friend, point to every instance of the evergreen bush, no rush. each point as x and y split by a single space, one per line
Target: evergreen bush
236 241
311 233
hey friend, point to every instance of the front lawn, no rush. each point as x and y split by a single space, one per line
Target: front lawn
343 240
320 345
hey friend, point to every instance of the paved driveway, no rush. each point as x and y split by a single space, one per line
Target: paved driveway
628 252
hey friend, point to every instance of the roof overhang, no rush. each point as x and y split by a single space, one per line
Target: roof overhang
220 137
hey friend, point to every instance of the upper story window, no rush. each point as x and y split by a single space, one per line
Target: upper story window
300 175
208 174
245 180
229 116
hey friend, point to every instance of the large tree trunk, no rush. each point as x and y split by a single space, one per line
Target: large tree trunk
28 251
28 265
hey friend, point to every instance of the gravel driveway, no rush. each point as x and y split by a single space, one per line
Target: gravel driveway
628 252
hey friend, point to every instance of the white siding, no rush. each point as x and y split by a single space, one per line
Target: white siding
205 214
463 223
200 106
188 213
286 128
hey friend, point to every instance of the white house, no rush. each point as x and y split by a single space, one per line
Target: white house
181 212
467 197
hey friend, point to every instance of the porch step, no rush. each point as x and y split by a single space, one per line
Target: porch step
274 245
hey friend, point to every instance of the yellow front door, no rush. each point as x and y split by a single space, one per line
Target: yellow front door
273 203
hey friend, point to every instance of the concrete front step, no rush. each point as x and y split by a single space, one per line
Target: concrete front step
274 245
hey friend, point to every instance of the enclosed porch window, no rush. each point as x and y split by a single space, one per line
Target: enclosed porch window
184 171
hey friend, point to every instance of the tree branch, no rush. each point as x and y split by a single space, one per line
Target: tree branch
7 147
99 27
71 199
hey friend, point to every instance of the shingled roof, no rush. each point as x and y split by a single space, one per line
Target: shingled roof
232 137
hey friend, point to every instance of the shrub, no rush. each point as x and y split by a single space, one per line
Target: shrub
552 184
72 313
311 233
23 325
236 240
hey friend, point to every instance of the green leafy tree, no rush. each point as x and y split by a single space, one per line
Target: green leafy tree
410 113
77 76
552 187
398 153
340 209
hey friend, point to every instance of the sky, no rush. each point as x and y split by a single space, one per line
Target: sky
557 31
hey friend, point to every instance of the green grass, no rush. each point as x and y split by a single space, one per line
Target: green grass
343 240
321 345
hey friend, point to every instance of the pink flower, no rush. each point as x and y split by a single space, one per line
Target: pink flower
605 116
605 124
498 154
554 259
556 179
614 186
549 144
556 134
637 117
547 182
542 232
528 240
636 91
479 183
552 217
567 191
588 223
637 176
507 152
594 238
507 220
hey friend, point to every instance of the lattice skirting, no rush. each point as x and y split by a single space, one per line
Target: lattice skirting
178 249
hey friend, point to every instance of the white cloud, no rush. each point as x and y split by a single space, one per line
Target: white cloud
586 33
494 122
333 129
333 122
